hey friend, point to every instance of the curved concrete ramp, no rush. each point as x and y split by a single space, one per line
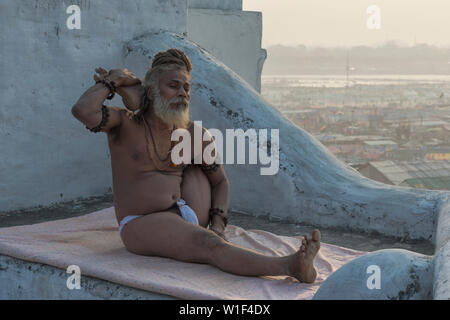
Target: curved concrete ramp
393 274
311 186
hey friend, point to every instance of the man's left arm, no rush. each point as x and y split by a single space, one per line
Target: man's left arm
220 187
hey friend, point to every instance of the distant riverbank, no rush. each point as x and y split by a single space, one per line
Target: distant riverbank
338 81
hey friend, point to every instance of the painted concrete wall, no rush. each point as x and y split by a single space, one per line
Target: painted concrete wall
216 4
441 283
215 30
390 274
23 280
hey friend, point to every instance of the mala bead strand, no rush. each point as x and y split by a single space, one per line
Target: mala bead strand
208 168
105 117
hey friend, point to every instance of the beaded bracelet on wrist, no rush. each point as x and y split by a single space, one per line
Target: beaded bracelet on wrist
105 117
208 168
111 86
219 212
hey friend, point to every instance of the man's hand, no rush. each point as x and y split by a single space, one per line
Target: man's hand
217 226
127 85
121 77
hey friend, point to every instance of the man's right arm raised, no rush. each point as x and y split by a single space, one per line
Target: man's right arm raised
90 111
90 108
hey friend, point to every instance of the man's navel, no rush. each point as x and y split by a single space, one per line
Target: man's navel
136 156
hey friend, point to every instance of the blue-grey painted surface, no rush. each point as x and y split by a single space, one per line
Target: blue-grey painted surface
441 283
242 29
216 4
22 280
403 275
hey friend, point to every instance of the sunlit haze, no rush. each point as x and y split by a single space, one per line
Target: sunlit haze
333 23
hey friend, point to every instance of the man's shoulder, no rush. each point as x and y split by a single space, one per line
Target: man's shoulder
194 128
194 125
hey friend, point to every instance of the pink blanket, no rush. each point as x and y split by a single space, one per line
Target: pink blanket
93 243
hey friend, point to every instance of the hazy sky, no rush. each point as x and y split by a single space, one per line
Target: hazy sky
344 22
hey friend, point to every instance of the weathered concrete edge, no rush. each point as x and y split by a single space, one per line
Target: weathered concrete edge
24 280
441 260
404 275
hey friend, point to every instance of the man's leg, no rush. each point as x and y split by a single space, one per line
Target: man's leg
167 235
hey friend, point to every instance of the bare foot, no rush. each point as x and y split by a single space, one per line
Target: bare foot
302 263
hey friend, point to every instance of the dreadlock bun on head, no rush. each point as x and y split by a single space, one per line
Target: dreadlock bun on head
172 56
172 59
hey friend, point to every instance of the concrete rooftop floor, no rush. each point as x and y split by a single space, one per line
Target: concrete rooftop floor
340 237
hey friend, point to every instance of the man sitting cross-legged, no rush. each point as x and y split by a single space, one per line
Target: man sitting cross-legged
164 209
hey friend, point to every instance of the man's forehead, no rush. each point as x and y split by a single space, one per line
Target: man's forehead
176 75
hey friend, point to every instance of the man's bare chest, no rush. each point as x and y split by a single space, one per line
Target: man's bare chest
142 153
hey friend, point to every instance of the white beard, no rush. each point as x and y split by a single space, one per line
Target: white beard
177 117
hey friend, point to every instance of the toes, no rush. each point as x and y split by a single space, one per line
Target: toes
316 235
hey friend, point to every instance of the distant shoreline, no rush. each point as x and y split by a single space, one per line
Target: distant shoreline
366 75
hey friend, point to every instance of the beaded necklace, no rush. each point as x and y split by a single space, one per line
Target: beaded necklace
160 163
